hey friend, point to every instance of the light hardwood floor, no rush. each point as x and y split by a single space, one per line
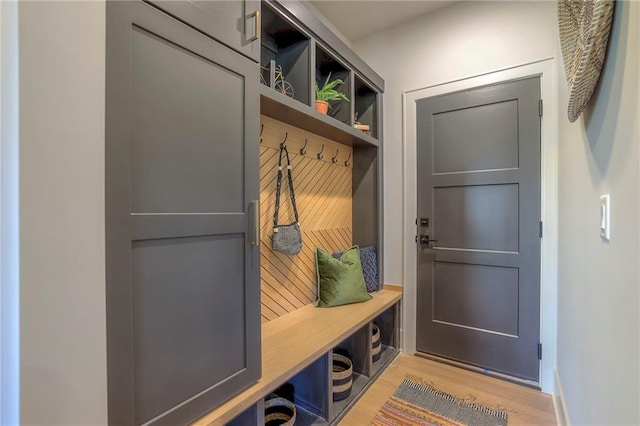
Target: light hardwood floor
525 406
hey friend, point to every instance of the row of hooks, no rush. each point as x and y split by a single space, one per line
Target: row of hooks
303 150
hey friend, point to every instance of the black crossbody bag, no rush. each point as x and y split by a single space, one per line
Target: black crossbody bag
286 239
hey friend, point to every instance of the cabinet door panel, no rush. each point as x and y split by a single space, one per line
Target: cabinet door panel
183 296
232 22
184 127
188 321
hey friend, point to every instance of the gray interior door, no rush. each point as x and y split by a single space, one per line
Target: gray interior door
235 23
479 197
183 296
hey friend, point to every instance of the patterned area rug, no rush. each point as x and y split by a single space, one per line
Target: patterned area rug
417 403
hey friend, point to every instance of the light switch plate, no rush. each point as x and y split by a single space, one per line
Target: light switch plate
605 216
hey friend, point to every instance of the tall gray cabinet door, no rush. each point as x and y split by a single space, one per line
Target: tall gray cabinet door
236 23
183 296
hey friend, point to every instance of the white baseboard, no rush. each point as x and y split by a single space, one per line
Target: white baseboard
559 407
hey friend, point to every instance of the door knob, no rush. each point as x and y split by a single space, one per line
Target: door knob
424 239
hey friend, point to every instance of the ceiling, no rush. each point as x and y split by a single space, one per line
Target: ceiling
358 19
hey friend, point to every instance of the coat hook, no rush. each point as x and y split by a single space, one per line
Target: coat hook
286 135
319 155
303 151
261 129
346 163
334 160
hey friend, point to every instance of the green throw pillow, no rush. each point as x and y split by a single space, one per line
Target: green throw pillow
340 281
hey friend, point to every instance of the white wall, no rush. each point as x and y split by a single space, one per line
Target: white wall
598 319
459 41
9 215
62 300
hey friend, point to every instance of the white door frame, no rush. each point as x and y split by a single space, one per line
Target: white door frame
546 70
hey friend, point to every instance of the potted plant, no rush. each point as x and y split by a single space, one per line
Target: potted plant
328 93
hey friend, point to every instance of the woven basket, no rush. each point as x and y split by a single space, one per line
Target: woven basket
584 27
376 344
342 376
279 412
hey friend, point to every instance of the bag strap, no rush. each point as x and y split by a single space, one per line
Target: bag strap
292 195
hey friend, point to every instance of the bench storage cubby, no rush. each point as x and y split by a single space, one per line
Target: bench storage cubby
297 350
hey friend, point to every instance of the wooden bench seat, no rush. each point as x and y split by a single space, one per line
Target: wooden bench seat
292 342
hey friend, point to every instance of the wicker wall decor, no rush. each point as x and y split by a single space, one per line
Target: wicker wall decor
584 27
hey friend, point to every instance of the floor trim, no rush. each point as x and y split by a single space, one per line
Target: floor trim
559 406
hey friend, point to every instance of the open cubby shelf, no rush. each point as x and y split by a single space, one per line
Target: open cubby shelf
327 67
366 105
286 48
305 62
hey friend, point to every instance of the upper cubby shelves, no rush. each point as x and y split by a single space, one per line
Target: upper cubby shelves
285 57
298 52
365 101
329 69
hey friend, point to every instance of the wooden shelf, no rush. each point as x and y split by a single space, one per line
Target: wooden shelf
293 341
283 108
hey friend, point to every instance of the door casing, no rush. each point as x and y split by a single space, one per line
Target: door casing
546 70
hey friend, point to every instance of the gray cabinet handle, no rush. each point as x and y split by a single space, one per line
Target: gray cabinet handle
255 232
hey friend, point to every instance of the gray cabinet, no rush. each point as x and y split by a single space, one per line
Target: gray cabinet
235 23
181 179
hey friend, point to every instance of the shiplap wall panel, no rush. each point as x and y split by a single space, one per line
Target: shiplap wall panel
323 193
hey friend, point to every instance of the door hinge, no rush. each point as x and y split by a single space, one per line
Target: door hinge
539 350
540 107
416 238
540 229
